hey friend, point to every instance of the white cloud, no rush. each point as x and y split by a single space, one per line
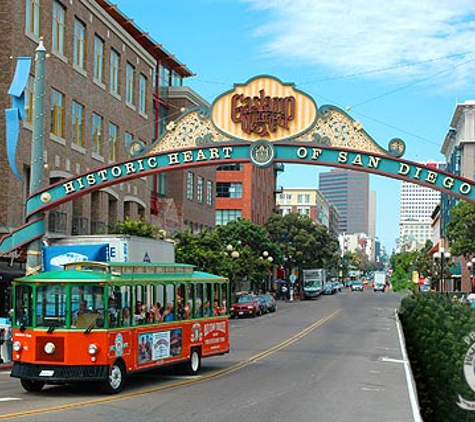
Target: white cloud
350 36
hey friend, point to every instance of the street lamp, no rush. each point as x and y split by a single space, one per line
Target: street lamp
233 253
470 266
443 257
265 255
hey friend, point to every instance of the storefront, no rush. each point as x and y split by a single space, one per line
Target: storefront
11 267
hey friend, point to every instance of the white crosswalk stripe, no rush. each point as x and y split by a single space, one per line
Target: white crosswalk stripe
9 399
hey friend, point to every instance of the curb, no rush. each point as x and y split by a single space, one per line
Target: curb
411 383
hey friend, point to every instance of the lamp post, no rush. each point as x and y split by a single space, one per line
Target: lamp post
234 254
443 257
266 256
470 266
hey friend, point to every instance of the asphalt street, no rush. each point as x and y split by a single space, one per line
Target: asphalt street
337 358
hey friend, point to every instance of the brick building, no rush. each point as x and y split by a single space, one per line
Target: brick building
245 191
107 82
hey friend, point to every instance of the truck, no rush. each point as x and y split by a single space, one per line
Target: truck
379 281
313 282
108 248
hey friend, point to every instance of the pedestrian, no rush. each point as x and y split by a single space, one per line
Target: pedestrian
284 292
471 300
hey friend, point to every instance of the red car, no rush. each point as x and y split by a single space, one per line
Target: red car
247 305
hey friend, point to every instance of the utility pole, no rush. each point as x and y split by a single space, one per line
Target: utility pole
33 252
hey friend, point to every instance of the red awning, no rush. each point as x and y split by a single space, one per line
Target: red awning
434 249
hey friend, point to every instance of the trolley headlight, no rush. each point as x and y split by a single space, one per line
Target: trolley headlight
92 349
16 346
49 348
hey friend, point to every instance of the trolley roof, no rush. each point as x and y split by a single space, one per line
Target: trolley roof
117 272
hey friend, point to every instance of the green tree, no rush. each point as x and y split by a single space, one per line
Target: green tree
245 260
137 228
303 243
461 229
403 264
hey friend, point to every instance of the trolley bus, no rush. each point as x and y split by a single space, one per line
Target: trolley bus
98 321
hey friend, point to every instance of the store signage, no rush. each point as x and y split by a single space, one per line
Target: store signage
262 114
263 108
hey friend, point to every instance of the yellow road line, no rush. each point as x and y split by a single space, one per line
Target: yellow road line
216 374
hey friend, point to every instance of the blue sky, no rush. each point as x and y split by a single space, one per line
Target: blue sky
401 68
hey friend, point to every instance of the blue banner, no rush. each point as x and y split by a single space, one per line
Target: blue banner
55 257
17 112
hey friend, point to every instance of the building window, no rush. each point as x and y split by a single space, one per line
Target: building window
113 142
223 217
128 139
229 190
177 80
162 120
33 17
199 189
78 124
57 113
79 51
164 76
162 184
303 210
129 84
209 192
98 59
96 134
230 167
190 179
29 106
114 72
142 94
58 28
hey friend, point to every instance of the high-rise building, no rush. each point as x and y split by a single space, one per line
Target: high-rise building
416 205
348 191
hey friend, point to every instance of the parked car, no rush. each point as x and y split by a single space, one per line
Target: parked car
330 288
262 304
246 305
270 305
356 286
379 287
339 286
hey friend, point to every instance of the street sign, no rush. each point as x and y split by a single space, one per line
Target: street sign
292 278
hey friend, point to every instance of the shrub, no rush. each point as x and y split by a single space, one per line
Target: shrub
435 329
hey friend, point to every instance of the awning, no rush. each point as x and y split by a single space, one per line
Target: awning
456 269
434 249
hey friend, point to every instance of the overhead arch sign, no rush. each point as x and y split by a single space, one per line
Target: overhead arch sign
263 121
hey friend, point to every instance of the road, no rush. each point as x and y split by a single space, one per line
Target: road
336 358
